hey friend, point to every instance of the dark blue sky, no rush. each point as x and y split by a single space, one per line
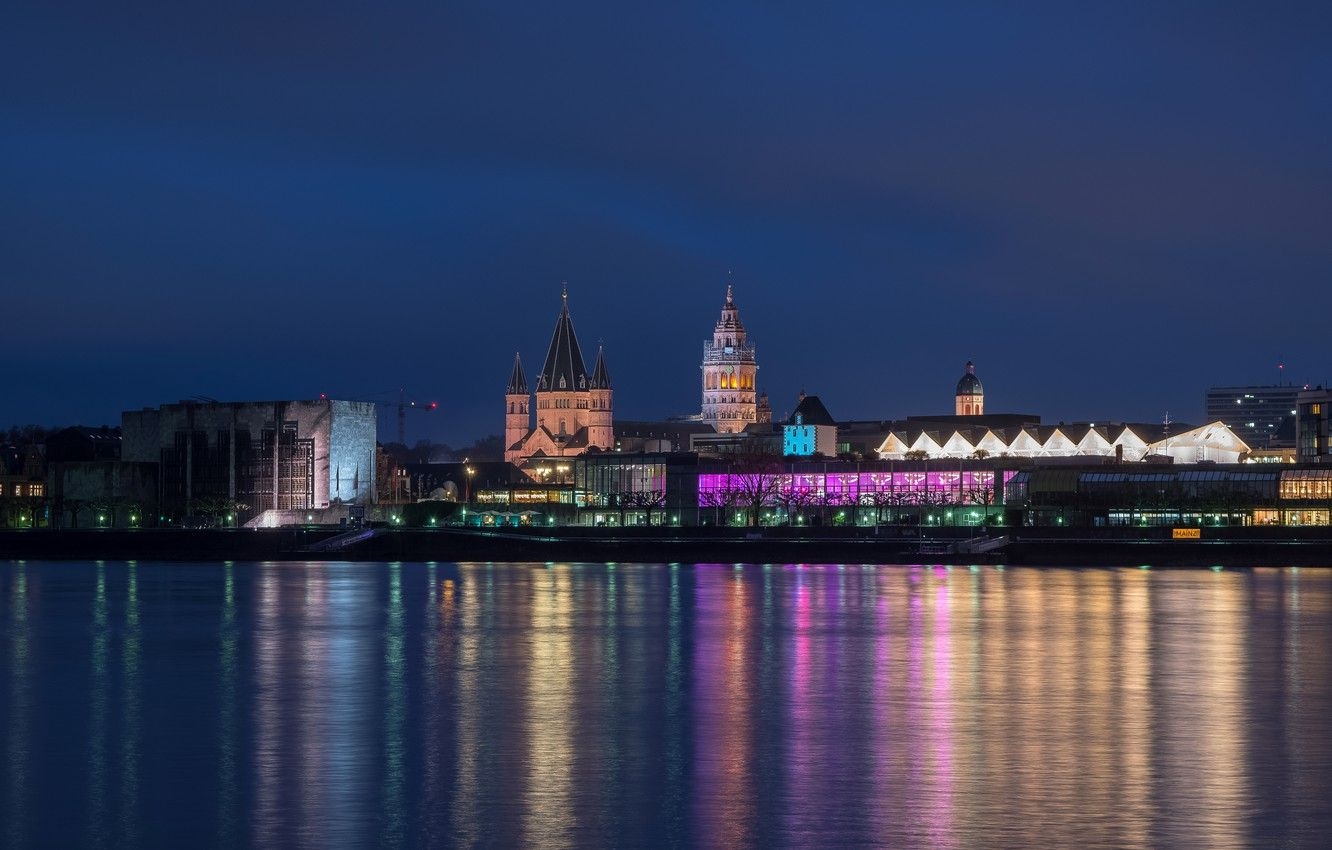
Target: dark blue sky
1108 207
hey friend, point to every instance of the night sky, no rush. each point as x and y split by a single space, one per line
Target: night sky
1108 207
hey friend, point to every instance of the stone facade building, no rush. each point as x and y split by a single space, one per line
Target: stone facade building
729 374
271 456
573 407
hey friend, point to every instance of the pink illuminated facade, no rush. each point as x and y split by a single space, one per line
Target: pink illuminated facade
964 487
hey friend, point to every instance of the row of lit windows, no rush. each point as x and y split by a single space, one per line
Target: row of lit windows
728 381
567 404
21 490
1306 488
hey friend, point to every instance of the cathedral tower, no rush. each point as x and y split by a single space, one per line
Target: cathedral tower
970 397
562 391
600 428
729 372
517 417
573 408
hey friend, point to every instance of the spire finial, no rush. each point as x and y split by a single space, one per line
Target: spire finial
729 298
564 293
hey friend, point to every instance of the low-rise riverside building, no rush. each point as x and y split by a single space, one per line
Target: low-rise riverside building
687 489
1171 495
1214 443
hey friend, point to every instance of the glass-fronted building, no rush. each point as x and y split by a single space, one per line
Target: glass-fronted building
1193 495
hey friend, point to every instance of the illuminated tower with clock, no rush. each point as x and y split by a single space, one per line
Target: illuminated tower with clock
729 372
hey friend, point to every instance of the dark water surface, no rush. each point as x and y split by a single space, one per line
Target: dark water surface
359 705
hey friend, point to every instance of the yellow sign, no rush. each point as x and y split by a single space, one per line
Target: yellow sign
1187 533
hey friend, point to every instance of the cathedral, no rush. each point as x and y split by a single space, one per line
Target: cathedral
573 407
730 402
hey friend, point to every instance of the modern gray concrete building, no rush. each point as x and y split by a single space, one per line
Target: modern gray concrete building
271 456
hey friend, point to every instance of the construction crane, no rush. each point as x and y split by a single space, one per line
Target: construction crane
405 404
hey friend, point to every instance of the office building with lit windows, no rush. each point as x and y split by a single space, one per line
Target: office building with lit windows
1261 416
1311 426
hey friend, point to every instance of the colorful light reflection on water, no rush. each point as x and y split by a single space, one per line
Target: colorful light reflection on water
558 705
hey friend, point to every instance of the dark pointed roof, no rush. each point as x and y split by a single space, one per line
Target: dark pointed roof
563 369
811 412
517 381
969 384
600 377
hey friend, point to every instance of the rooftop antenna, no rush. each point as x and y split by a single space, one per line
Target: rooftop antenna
1166 424
1281 373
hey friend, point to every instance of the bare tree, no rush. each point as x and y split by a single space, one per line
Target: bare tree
647 500
757 475
722 499
798 500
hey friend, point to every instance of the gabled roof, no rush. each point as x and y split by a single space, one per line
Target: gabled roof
810 411
517 381
563 369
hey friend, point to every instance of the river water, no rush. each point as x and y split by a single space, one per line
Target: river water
595 705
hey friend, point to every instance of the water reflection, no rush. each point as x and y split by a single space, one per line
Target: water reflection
395 717
228 735
99 823
130 744
18 727
339 705
724 788
548 795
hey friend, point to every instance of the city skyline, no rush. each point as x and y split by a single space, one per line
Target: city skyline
1107 210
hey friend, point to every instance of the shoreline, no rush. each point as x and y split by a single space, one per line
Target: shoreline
1240 547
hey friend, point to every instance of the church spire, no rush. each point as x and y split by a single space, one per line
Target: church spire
600 376
517 380
563 370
